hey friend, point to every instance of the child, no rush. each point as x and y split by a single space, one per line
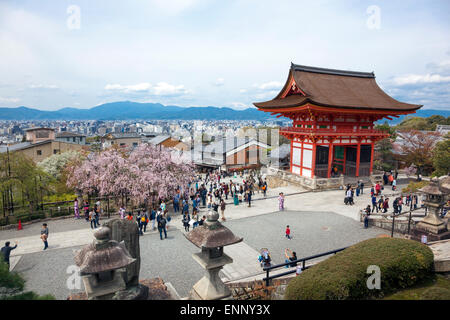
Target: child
44 235
288 233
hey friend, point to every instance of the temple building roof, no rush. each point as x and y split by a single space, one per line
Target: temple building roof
334 89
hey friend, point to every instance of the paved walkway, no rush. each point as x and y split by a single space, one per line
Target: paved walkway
263 227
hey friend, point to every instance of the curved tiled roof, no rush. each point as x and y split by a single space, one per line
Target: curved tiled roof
335 88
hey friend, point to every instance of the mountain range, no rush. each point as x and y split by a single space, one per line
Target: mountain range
128 110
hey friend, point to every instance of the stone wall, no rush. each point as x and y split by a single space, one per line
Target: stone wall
279 178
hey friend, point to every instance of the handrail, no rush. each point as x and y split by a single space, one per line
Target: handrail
303 260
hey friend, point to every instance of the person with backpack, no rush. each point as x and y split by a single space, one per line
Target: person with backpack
162 226
395 205
186 219
264 188
265 259
144 222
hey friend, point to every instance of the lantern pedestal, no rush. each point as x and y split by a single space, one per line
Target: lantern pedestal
432 225
211 287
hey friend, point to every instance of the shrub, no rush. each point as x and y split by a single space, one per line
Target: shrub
402 263
414 186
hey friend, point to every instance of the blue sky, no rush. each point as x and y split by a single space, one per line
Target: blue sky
221 53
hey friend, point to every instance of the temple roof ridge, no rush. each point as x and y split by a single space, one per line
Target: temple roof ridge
298 67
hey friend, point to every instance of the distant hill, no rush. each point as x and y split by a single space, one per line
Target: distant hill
425 113
128 110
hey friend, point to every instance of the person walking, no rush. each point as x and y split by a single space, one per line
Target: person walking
281 201
374 203
385 205
288 232
44 235
76 209
362 187
97 215
162 226
176 203
145 220
222 209
249 197
122 212
6 252
394 184
264 188
92 220
153 218
186 220
86 210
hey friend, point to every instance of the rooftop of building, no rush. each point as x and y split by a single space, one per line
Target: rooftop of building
333 88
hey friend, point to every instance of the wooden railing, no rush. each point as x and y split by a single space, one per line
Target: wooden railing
332 131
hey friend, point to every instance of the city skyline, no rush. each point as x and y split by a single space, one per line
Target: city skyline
197 53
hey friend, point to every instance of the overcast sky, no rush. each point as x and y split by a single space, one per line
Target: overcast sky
56 54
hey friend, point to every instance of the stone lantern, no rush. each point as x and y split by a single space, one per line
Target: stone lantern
103 266
432 224
211 238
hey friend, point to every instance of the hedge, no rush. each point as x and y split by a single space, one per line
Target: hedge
403 263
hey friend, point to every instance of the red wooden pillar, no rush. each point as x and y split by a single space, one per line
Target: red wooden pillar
371 157
301 159
313 169
345 158
358 156
330 158
292 155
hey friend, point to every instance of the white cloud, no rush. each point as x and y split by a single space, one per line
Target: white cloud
43 86
174 7
269 85
13 100
239 105
160 89
219 82
243 90
417 78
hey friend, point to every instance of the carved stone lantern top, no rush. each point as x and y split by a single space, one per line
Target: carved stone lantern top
212 234
103 254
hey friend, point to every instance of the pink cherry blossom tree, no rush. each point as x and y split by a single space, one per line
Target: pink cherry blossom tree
145 174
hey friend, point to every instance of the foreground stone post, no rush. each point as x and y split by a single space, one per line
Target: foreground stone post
211 238
103 266
432 225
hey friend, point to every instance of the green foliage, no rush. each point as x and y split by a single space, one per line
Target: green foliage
10 280
413 186
60 197
12 285
437 288
419 123
441 158
403 263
